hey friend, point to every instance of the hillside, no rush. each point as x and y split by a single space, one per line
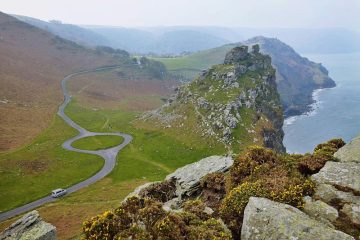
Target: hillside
33 62
296 76
70 32
235 104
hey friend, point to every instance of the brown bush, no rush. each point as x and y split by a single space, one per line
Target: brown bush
213 189
312 163
162 191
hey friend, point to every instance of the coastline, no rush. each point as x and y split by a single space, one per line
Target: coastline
313 107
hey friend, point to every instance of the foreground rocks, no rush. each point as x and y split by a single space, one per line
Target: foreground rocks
188 177
29 227
182 184
266 219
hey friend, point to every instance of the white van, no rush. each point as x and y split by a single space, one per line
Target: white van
58 192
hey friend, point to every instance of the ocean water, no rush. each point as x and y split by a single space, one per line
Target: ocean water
336 112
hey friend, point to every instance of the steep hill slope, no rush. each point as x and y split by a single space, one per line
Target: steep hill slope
32 64
235 103
297 77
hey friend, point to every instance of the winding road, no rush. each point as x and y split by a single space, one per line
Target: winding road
109 154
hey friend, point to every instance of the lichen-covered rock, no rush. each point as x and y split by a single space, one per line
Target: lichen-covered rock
350 152
188 177
320 210
344 175
29 227
265 219
352 211
330 194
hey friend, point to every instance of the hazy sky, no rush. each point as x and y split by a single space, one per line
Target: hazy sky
232 13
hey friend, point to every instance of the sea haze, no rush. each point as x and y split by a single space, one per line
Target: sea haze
336 112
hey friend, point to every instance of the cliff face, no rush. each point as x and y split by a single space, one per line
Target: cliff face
235 103
296 76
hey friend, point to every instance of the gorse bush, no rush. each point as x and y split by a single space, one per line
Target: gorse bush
139 218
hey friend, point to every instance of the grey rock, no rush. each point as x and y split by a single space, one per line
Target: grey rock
137 191
202 103
29 227
350 152
340 174
172 205
187 178
330 194
236 54
352 211
320 211
265 219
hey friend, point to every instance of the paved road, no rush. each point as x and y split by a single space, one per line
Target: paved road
109 155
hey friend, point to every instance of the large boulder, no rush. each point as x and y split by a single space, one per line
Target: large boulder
350 152
29 227
266 219
187 178
343 175
236 54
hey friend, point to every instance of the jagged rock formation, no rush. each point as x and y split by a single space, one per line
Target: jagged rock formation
266 219
29 227
184 182
235 103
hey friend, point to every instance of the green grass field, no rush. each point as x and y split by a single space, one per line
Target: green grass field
34 170
191 65
97 142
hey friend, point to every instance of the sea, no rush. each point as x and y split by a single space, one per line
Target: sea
336 111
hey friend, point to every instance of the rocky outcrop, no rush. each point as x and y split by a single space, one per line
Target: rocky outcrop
187 179
265 219
29 227
182 184
234 104
237 54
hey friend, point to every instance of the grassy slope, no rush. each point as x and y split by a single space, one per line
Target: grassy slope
97 142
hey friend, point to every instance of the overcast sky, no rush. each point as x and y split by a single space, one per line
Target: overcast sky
231 13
